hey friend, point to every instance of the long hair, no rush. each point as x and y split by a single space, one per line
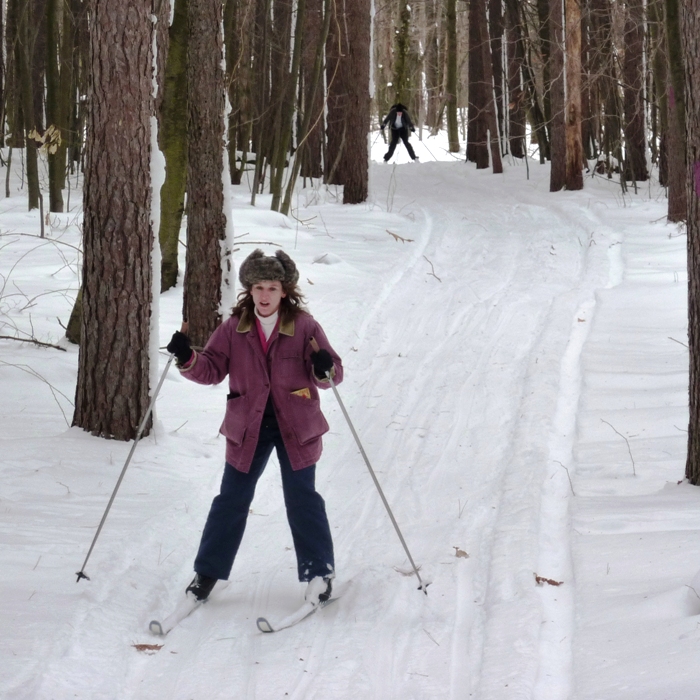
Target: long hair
290 306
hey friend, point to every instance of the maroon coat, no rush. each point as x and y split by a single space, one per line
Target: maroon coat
234 349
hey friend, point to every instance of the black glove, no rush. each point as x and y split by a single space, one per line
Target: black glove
413 131
323 362
179 346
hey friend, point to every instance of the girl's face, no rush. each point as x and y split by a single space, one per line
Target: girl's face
267 296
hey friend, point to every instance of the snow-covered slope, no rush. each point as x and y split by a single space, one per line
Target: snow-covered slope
503 347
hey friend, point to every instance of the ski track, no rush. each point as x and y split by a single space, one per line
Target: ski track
440 375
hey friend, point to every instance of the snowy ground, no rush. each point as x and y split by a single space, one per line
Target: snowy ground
516 370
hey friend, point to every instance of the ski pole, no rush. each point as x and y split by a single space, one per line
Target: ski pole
423 586
81 573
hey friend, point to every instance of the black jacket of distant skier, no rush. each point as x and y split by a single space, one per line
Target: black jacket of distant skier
405 118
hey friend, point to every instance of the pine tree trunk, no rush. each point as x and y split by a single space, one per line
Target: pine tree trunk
690 33
206 223
495 10
633 79
477 148
489 115
312 96
172 137
356 75
112 395
516 93
660 80
59 46
677 194
431 66
587 138
451 84
547 42
558 129
574 149
26 87
347 78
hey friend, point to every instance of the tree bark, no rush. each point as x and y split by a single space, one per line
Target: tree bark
516 92
206 223
574 148
451 75
633 79
477 148
112 394
677 194
356 79
311 95
558 129
690 32
172 137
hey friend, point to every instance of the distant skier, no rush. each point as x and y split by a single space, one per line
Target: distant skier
274 374
400 122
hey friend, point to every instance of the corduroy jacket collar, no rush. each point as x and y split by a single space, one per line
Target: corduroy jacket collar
245 325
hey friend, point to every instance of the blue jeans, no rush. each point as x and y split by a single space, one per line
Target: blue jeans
306 513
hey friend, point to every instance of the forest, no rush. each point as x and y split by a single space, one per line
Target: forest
517 315
285 93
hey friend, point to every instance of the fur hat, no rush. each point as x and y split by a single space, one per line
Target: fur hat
258 267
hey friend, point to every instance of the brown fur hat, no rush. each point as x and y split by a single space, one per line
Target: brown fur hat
258 267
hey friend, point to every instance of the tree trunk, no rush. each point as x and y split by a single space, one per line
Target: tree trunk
112 394
490 118
60 39
206 223
477 149
495 10
633 79
451 84
431 64
574 149
402 86
660 80
547 40
690 31
311 95
172 137
26 86
677 194
287 91
558 129
587 139
356 79
347 126
516 93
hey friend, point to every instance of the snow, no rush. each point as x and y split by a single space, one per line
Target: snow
516 371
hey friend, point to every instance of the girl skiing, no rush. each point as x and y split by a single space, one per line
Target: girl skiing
273 375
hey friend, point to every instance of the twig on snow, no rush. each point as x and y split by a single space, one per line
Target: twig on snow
52 388
629 449
567 474
32 340
432 267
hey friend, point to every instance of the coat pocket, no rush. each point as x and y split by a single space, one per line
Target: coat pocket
236 419
308 422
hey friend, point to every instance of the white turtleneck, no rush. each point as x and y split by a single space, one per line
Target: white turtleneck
268 323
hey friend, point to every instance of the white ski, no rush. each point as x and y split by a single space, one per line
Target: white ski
184 608
307 609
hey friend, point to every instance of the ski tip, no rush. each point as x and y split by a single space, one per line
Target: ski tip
264 625
156 628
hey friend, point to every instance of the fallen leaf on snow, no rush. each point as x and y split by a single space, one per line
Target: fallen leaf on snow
148 648
460 553
541 579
